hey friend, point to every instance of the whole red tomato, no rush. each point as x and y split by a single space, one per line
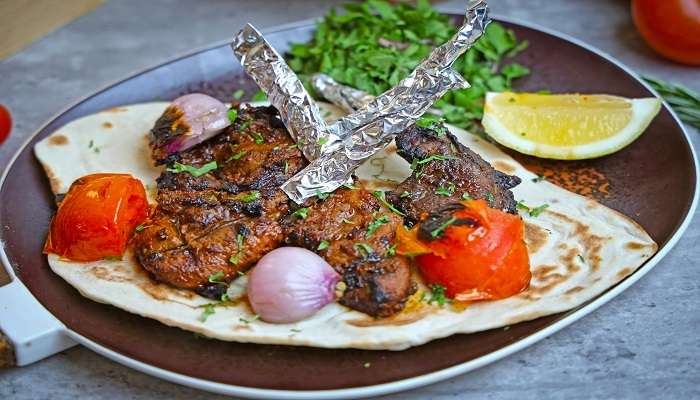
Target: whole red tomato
671 27
5 123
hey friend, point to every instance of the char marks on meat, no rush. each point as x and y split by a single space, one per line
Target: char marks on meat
225 220
444 172
358 236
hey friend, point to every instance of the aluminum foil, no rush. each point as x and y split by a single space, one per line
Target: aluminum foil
373 126
345 97
284 90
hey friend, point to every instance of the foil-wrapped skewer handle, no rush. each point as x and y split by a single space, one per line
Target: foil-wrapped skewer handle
345 97
372 127
298 111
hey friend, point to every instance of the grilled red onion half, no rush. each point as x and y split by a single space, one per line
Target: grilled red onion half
188 121
290 284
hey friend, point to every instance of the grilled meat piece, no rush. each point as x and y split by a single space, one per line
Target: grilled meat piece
226 219
444 171
357 235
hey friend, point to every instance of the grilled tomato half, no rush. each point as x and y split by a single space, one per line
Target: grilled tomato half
475 252
96 217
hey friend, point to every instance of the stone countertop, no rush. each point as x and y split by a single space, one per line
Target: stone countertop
643 344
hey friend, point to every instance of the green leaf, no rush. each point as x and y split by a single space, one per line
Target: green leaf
250 197
232 115
301 213
323 245
238 94
194 171
260 96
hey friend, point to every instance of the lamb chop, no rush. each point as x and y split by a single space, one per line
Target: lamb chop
224 220
355 234
444 172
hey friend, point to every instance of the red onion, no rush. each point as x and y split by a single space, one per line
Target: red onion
289 284
188 121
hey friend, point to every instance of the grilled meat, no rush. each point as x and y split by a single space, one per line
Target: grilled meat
226 219
444 172
355 235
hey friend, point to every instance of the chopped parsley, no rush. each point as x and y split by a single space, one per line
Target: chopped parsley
449 191
347 221
533 212
250 197
238 94
321 195
259 139
322 141
244 125
208 311
286 167
435 157
364 249
490 198
367 365
539 178
466 196
247 321
237 156
301 213
232 115
405 194
323 245
391 251
259 96
239 245
216 278
140 227
373 45
194 171
437 295
376 223
437 232
381 196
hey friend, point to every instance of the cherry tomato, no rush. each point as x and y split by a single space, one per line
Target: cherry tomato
671 27
97 217
481 255
5 123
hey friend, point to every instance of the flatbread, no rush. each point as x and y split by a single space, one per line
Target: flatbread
578 249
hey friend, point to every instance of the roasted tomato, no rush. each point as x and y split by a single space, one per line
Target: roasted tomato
475 252
97 217
671 27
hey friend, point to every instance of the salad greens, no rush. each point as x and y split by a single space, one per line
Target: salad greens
373 45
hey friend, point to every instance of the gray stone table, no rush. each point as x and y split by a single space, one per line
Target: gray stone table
643 344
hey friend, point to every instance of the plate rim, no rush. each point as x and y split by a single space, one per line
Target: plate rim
402 384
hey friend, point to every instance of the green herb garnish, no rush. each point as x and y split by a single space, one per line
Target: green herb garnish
301 213
286 167
377 221
216 278
140 227
381 196
247 321
391 251
535 212
250 197
364 249
449 191
322 195
322 141
237 156
259 139
373 45
405 194
437 232
685 102
490 198
208 311
437 295
323 245
259 96
239 245
466 196
347 221
232 115
194 171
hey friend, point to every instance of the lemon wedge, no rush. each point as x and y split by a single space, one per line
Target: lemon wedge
566 126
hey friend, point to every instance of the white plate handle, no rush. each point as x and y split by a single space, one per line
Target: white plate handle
33 332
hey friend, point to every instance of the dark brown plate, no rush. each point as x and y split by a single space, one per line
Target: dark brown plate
653 181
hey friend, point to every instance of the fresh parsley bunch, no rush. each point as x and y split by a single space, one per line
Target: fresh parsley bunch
373 45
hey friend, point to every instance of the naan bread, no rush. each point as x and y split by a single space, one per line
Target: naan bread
578 249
